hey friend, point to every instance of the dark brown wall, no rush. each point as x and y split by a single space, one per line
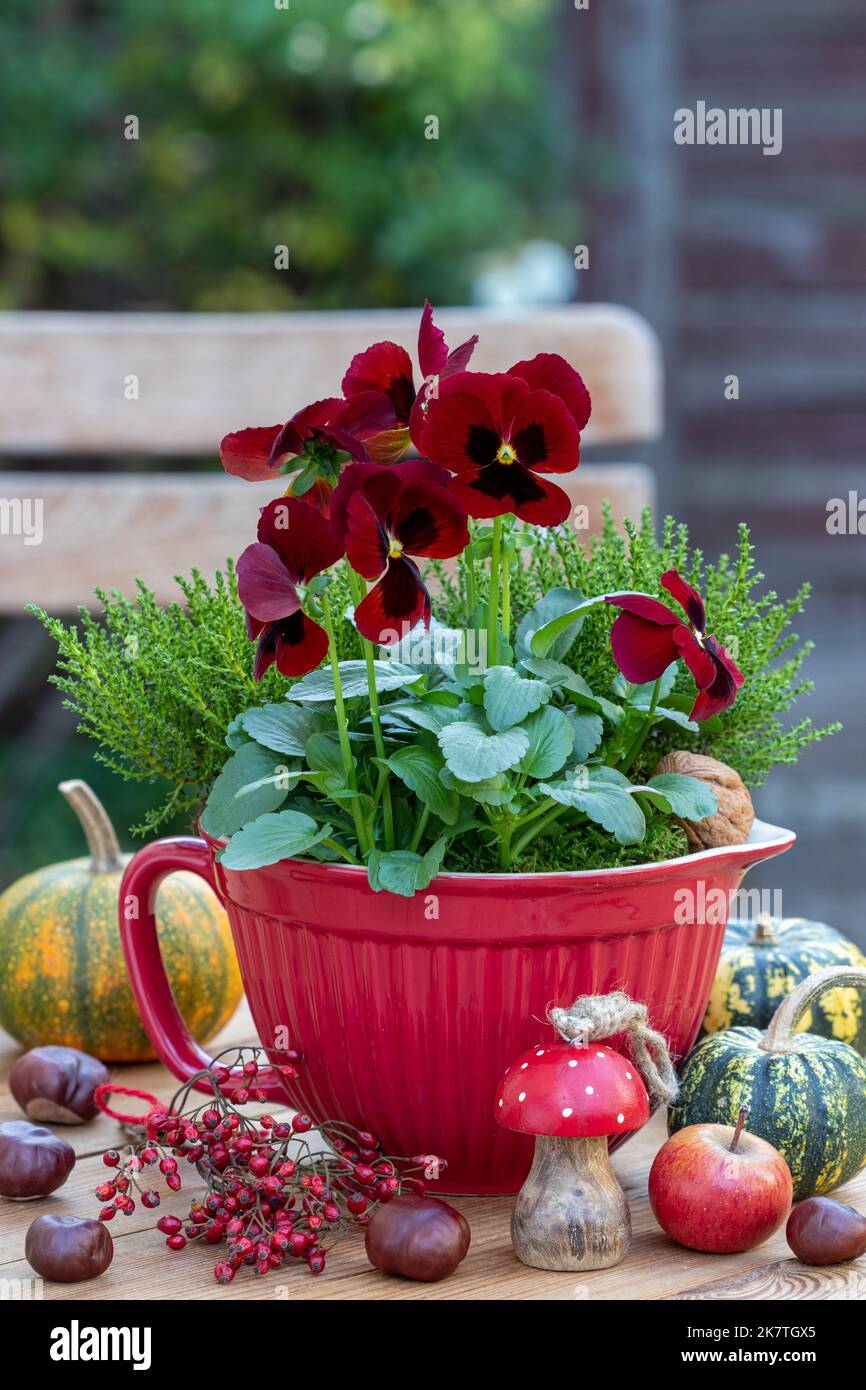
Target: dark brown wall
755 265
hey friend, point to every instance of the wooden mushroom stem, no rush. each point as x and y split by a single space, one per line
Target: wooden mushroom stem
571 1212
781 1035
105 855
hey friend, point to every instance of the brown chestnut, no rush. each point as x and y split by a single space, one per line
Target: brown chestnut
822 1231
33 1160
417 1237
68 1248
56 1084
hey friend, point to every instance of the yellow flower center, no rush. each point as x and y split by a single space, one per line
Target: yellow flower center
506 454
395 549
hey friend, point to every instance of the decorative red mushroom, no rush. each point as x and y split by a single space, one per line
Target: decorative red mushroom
571 1212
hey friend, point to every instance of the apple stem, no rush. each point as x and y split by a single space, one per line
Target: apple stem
741 1120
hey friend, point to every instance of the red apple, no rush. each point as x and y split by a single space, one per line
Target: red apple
719 1189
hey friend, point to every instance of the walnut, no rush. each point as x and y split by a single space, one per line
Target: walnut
733 820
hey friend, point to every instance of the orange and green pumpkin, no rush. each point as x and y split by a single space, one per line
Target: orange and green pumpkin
763 961
62 973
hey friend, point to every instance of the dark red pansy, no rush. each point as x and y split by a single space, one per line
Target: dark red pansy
295 543
387 367
647 636
550 372
260 453
389 515
498 435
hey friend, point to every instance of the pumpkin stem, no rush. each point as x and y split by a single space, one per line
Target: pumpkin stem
741 1120
781 1034
105 856
764 934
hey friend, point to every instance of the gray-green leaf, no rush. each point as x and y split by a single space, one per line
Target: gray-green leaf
473 755
509 698
588 732
403 871
225 811
560 607
319 685
551 737
272 838
689 797
419 769
492 791
282 727
604 801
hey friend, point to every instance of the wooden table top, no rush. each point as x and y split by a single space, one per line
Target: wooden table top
654 1269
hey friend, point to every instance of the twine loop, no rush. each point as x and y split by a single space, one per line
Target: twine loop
597 1016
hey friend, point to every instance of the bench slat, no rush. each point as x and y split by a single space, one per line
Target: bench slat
99 528
63 376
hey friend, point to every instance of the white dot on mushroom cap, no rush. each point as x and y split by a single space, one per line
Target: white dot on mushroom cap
501 1103
572 1063
522 1096
590 1090
620 1118
628 1076
523 1066
566 1112
540 1054
600 1054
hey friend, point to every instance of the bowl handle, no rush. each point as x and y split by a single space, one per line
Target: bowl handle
174 1044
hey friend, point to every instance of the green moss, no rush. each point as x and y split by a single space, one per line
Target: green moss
577 847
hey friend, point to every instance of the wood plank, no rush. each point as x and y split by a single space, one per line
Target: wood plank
785 1279
107 530
62 375
655 1268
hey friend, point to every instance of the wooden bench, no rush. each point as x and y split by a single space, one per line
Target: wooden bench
169 385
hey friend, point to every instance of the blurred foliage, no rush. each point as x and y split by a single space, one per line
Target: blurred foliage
262 126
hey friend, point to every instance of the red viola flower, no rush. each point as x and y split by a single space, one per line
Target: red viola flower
320 432
387 367
388 516
499 432
295 543
647 636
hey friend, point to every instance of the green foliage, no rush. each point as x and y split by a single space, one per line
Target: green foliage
157 687
260 127
756 733
454 753
526 762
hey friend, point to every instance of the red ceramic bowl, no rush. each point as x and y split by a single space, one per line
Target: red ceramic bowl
408 1010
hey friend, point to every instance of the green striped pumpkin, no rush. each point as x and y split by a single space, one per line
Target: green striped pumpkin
806 1094
763 961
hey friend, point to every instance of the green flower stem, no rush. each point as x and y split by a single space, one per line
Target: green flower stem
420 828
538 829
506 587
546 805
493 600
358 590
638 743
341 849
467 562
343 727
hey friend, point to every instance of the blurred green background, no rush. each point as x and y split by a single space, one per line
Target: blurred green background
301 127
259 126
